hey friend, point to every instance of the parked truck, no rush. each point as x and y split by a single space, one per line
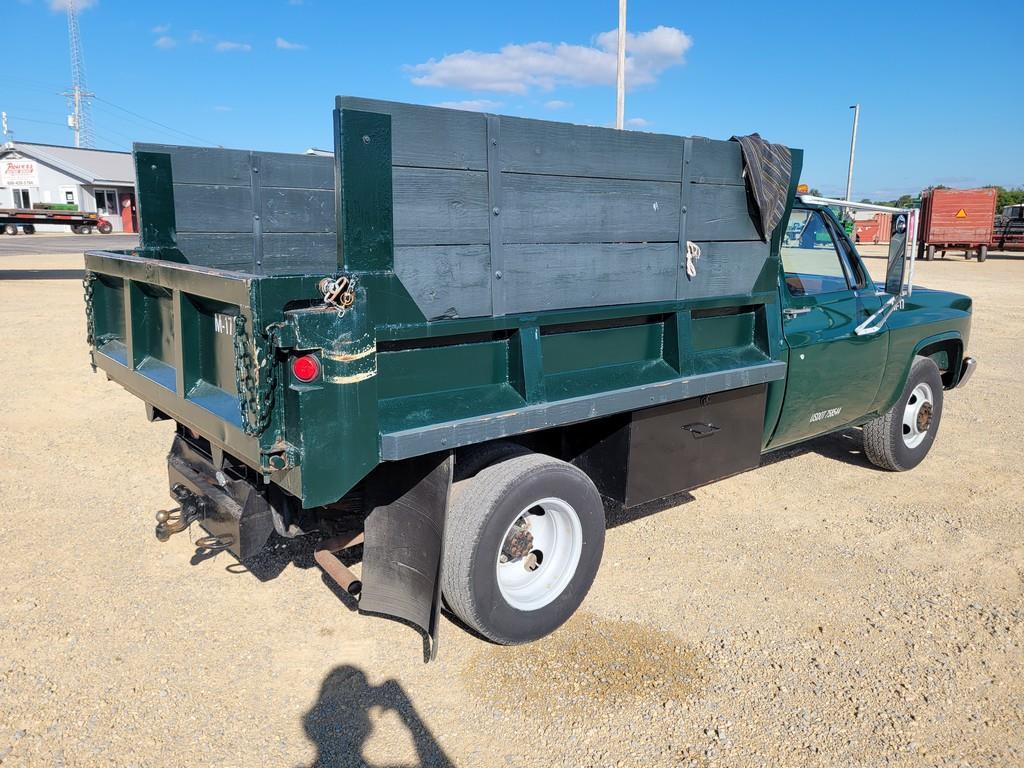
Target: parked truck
957 219
1009 230
458 339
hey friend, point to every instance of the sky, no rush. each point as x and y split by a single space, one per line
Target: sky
940 83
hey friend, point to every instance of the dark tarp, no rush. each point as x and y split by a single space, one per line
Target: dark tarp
767 168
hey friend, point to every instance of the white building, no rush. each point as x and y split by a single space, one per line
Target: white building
95 180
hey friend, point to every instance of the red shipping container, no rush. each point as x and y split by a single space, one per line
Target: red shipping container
957 218
875 229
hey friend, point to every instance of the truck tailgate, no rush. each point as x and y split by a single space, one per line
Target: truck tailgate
180 337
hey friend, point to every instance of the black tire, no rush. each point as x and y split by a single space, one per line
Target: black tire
10 229
475 534
105 227
471 460
85 229
29 229
982 253
884 443
76 229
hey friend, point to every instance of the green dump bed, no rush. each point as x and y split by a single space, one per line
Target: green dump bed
507 275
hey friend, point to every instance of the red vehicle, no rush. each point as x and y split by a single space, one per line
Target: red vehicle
957 219
26 219
874 229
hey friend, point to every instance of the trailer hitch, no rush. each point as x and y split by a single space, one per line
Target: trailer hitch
171 521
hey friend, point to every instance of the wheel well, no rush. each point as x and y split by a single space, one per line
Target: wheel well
947 355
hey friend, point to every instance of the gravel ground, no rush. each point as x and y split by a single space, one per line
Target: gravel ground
814 612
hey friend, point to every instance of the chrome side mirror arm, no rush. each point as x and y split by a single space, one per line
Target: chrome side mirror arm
876 322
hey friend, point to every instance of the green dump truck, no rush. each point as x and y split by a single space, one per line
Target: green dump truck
457 339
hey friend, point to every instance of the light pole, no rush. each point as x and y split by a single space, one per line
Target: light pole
853 148
620 74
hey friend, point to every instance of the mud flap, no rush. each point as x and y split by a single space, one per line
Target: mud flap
404 543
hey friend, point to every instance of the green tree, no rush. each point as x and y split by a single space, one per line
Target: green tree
1006 196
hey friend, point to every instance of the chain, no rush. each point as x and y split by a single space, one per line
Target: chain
338 293
255 380
90 318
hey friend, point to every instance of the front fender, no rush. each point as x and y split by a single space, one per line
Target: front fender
901 358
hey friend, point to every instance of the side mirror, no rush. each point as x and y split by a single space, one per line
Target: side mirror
895 271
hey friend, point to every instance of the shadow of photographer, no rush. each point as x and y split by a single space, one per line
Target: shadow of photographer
340 725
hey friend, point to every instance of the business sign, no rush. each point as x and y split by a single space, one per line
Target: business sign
18 173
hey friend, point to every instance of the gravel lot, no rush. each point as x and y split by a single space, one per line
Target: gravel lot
814 612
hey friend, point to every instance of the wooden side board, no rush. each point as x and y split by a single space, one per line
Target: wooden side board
490 214
496 214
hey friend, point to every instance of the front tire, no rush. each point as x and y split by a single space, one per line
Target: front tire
899 439
523 543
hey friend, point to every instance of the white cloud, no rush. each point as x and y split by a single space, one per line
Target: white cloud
62 5
637 122
285 45
161 29
165 42
227 45
472 105
557 104
518 68
195 36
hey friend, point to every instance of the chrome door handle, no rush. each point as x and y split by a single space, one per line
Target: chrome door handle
789 312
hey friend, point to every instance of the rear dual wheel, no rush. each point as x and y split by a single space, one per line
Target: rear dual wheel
523 543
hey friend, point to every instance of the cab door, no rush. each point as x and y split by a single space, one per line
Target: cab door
834 374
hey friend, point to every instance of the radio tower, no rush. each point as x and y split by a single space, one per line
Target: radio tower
79 120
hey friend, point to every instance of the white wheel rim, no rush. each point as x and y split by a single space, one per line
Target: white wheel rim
917 415
533 579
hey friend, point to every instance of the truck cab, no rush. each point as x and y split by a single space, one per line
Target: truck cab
836 375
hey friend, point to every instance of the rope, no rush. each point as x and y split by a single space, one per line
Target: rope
692 253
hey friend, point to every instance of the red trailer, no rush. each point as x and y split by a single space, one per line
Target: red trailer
873 228
957 219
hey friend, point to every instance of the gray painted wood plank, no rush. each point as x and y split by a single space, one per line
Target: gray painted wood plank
212 208
439 207
204 165
542 277
725 269
540 146
278 169
429 137
300 253
719 212
719 162
446 280
212 249
297 210
566 209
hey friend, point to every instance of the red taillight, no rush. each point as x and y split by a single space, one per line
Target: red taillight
306 368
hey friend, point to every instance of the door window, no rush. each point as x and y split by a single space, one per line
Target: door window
810 259
21 199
